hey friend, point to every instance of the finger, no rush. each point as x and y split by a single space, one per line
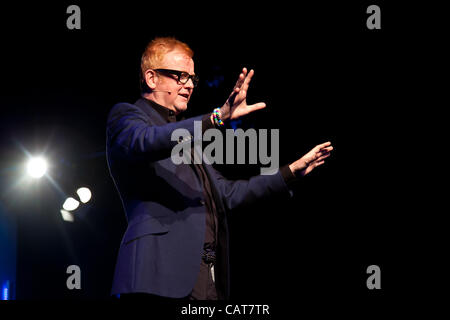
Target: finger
242 111
247 80
323 145
256 106
326 149
320 148
240 79
322 157
318 155
319 163
242 76
322 152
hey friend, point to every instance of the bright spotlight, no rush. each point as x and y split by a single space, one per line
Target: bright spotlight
84 194
70 204
66 215
37 167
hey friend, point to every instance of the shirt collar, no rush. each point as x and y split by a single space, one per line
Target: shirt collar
167 114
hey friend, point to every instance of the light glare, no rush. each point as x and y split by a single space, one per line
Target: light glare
84 194
37 167
66 215
70 204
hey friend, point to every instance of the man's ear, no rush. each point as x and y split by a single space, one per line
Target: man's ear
150 79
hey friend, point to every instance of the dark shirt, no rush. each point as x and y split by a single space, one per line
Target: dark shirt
211 216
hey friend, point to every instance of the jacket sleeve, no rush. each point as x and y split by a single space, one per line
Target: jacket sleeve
130 137
237 193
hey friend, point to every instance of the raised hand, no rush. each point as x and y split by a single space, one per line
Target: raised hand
236 105
314 158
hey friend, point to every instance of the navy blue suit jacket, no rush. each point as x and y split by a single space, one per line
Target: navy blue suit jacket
160 252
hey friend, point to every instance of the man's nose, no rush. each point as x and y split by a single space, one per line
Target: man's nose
189 84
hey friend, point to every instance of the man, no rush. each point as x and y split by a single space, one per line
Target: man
175 244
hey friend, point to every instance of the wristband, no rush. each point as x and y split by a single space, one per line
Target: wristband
216 117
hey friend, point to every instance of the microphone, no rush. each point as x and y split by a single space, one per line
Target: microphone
169 92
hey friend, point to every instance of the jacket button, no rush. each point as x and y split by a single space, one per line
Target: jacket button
202 202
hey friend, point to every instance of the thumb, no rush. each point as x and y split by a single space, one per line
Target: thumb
256 106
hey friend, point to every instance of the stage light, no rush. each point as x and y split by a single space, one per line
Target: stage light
84 194
66 215
70 204
37 167
5 291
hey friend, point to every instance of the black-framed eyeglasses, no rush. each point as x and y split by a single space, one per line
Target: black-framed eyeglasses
182 77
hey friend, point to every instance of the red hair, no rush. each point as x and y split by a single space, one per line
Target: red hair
156 50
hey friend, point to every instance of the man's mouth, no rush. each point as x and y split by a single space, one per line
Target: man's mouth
185 95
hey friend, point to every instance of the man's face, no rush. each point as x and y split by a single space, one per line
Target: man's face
179 93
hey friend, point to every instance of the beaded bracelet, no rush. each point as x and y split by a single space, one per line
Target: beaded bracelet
216 117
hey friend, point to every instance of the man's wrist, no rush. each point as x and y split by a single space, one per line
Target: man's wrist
207 122
225 112
298 166
292 168
288 175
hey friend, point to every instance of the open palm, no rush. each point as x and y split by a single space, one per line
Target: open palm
236 105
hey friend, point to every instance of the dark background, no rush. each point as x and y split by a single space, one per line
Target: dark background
323 75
